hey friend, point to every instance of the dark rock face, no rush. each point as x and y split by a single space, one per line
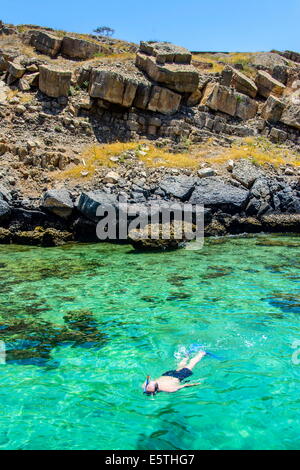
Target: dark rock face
59 202
215 194
179 186
88 203
4 194
4 210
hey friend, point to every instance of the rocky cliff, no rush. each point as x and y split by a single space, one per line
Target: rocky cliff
61 93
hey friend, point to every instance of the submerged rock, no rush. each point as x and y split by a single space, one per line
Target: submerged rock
160 237
42 237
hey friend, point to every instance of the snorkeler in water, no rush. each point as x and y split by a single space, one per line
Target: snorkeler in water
170 381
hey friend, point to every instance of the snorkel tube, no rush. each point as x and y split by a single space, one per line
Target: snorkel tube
147 382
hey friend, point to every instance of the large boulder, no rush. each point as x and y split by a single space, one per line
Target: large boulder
59 202
178 186
153 236
272 109
169 65
225 99
15 71
267 85
245 172
75 48
54 81
89 202
166 52
291 116
47 43
214 193
239 81
246 107
114 87
163 100
220 98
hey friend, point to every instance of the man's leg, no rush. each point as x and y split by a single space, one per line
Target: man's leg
182 363
195 360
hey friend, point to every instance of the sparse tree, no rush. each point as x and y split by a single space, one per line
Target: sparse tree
104 31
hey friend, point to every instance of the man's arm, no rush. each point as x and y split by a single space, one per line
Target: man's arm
188 385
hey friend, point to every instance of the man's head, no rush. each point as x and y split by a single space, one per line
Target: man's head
151 387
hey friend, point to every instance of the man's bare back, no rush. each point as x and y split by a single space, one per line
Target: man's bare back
170 381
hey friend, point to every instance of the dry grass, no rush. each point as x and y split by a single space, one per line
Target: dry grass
261 151
218 61
96 156
23 97
258 150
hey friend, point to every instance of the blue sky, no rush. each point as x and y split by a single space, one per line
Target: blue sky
218 25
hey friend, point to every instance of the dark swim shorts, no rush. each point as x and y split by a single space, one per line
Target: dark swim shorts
181 374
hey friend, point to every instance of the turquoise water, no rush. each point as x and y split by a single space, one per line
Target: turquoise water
84 324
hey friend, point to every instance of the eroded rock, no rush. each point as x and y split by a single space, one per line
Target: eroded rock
54 81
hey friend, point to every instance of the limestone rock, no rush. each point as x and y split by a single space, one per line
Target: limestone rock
75 48
291 116
220 98
246 107
194 98
54 81
111 177
113 87
164 101
59 202
226 100
169 65
272 109
23 85
47 43
166 52
206 172
267 85
239 81
267 60
245 172
16 70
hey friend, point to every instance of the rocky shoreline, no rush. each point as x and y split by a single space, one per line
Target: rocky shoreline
246 201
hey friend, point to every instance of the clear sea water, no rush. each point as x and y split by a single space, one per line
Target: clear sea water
84 324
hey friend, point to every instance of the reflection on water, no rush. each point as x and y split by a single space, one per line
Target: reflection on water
84 324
